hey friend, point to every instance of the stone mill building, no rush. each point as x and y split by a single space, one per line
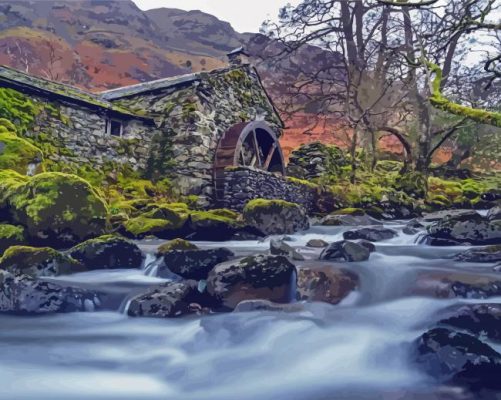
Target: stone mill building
215 132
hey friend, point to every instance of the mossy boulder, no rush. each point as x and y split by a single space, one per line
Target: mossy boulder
9 181
59 209
19 155
175 244
10 235
108 252
145 225
206 225
38 261
275 216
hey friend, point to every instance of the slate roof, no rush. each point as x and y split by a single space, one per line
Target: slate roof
158 84
27 83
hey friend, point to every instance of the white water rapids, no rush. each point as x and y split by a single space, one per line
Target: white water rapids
359 349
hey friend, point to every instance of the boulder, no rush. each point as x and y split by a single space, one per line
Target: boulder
412 227
192 264
494 213
175 244
374 234
10 181
345 250
214 226
58 209
280 248
266 305
459 358
19 155
470 228
317 243
21 294
108 252
38 261
488 254
479 319
368 245
326 284
161 221
275 217
449 213
349 217
257 277
10 235
172 299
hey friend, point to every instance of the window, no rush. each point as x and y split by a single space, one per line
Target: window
114 127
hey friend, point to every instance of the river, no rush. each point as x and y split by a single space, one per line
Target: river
359 349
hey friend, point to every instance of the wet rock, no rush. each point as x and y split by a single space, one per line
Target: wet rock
265 305
468 227
175 244
459 358
327 284
494 213
257 277
193 264
172 299
280 248
275 217
439 215
365 243
38 262
479 319
354 219
413 227
482 255
108 252
345 250
21 294
374 234
317 243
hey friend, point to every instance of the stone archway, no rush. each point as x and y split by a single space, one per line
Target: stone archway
248 144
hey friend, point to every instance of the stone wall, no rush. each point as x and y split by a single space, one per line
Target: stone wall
243 184
78 135
195 116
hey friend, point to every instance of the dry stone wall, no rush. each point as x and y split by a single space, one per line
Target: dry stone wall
243 184
79 135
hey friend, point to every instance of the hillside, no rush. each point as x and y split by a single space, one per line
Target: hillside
99 44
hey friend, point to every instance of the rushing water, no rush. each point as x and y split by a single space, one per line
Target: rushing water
359 349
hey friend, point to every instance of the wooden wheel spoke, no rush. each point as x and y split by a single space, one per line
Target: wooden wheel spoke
267 161
256 149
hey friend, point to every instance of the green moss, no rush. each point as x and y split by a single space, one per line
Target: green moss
441 102
18 108
224 212
17 154
7 125
413 183
56 205
176 244
264 204
176 219
10 235
143 226
207 218
38 261
9 181
303 182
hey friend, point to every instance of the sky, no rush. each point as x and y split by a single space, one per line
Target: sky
244 15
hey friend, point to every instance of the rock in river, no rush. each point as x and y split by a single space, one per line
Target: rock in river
374 234
275 217
172 299
459 358
486 254
466 227
345 250
108 252
327 284
192 264
257 277
21 294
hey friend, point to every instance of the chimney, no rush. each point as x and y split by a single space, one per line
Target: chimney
238 57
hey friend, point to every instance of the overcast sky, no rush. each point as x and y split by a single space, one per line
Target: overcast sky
244 15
